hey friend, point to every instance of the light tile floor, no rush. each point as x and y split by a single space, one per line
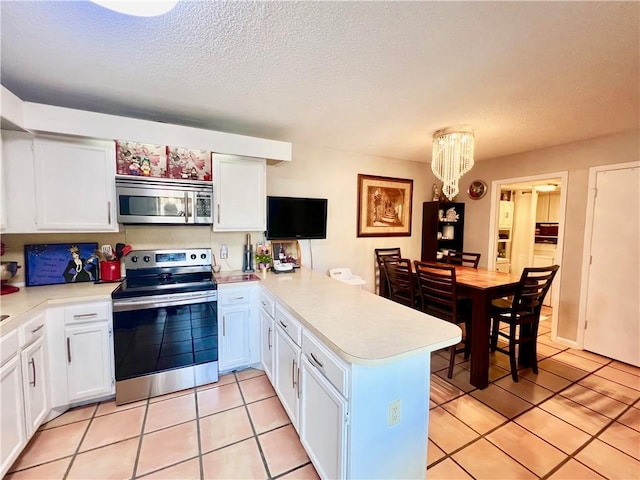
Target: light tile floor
578 418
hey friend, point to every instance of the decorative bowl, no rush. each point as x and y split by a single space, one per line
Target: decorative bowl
8 270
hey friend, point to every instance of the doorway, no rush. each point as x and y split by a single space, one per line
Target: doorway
520 243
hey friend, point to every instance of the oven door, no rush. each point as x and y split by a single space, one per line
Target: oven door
164 343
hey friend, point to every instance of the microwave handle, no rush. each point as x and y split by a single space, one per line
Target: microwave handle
187 210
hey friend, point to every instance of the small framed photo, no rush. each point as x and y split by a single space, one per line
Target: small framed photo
187 163
384 206
141 159
477 190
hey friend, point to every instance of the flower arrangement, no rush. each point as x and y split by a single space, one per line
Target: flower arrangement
263 257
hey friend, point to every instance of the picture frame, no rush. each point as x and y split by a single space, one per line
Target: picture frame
384 206
477 189
141 159
57 263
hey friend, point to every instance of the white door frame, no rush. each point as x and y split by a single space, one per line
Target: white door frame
493 222
588 232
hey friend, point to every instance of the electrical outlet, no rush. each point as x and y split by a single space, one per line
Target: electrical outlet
394 413
224 253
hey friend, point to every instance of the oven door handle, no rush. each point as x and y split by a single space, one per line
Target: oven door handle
158 301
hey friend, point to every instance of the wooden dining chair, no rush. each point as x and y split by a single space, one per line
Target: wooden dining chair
401 281
381 253
438 297
522 315
466 259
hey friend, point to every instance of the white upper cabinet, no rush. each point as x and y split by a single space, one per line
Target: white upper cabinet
57 184
505 219
240 190
75 185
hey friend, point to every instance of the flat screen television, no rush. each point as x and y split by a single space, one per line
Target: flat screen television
296 218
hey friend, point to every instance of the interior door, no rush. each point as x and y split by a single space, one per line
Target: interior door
612 309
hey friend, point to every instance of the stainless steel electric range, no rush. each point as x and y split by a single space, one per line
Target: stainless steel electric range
165 323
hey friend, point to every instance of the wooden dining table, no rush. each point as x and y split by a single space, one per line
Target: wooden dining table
482 286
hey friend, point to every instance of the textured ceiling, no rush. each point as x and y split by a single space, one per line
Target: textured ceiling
370 77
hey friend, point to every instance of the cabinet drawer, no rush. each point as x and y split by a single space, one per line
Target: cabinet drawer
32 329
268 305
233 297
8 346
87 312
289 325
325 361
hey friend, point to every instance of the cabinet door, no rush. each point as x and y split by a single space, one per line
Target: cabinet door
267 344
89 360
12 428
286 369
233 332
240 188
323 422
75 185
19 186
506 214
34 385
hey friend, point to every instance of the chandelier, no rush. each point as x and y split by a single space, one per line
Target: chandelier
452 157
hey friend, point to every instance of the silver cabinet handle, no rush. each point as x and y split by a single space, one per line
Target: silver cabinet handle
108 213
37 328
224 323
293 374
318 362
33 369
269 338
284 325
69 349
237 298
298 389
86 315
218 213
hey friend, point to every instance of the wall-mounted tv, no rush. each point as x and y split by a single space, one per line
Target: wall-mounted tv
301 218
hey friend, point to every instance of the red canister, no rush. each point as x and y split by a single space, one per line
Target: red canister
110 271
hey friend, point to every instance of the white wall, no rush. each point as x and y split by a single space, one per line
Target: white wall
333 174
574 158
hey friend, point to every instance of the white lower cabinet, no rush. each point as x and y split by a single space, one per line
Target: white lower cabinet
88 360
267 346
323 422
286 366
237 326
34 372
267 334
81 353
12 425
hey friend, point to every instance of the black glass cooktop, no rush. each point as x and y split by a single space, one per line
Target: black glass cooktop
165 283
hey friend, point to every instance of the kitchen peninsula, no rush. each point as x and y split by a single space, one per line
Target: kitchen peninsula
360 368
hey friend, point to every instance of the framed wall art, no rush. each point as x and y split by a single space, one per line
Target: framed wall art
54 263
477 189
141 159
384 206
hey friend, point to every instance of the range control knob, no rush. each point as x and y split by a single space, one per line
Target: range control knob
147 258
193 256
134 259
203 256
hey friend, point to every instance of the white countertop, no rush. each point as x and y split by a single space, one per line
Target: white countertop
30 298
361 327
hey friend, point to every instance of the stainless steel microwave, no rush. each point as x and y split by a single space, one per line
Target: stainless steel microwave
150 200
